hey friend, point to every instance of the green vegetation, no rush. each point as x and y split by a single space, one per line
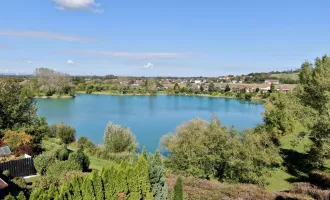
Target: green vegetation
178 190
119 139
289 152
210 150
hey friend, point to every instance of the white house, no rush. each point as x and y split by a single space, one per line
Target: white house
276 82
198 81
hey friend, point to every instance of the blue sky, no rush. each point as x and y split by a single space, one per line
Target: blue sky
161 38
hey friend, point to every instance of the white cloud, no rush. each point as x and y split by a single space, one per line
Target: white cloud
44 35
129 55
149 66
29 62
70 62
90 5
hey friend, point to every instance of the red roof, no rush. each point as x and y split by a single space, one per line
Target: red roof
3 184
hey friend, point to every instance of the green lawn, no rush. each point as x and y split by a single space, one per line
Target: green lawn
281 180
96 163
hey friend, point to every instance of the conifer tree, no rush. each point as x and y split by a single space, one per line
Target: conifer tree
144 152
21 196
109 180
87 190
76 185
97 185
9 197
178 191
133 184
157 176
36 193
52 192
142 167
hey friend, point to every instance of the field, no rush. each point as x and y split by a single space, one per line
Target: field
293 76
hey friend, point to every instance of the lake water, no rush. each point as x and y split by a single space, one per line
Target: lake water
149 117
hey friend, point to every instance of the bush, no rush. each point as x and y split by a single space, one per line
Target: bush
60 168
320 178
81 159
209 150
42 162
65 133
62 154
119 139
6 173
311 190
20 183
85 143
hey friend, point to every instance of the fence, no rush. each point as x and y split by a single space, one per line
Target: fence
19 168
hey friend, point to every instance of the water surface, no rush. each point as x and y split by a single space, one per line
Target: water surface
149 117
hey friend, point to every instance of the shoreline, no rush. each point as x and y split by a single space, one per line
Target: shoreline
54 97
164 94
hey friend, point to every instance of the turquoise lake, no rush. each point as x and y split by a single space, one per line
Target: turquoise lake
149 117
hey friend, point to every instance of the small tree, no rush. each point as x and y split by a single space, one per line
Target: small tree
16 139
21 196
211 87
201 88
42 162
227 89
65 133
272 88
176 88
178 190
119 139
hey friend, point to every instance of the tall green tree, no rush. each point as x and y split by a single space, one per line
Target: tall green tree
17 106
178 189
87 189
97 185
157 176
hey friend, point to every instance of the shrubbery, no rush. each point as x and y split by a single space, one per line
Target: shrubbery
209 150
42 162
59 168
119 139
80 158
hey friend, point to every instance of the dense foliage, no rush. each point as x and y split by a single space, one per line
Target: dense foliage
309 105
50 82
119 139
210 150
123 181
17 106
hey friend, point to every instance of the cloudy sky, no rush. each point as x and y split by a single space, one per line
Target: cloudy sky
161 38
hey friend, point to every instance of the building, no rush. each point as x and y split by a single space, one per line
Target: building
270 81
265 88
197 81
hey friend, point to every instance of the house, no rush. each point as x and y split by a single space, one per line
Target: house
197 81
265 88
270 81
284 88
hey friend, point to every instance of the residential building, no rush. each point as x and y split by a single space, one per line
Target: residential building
270 81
